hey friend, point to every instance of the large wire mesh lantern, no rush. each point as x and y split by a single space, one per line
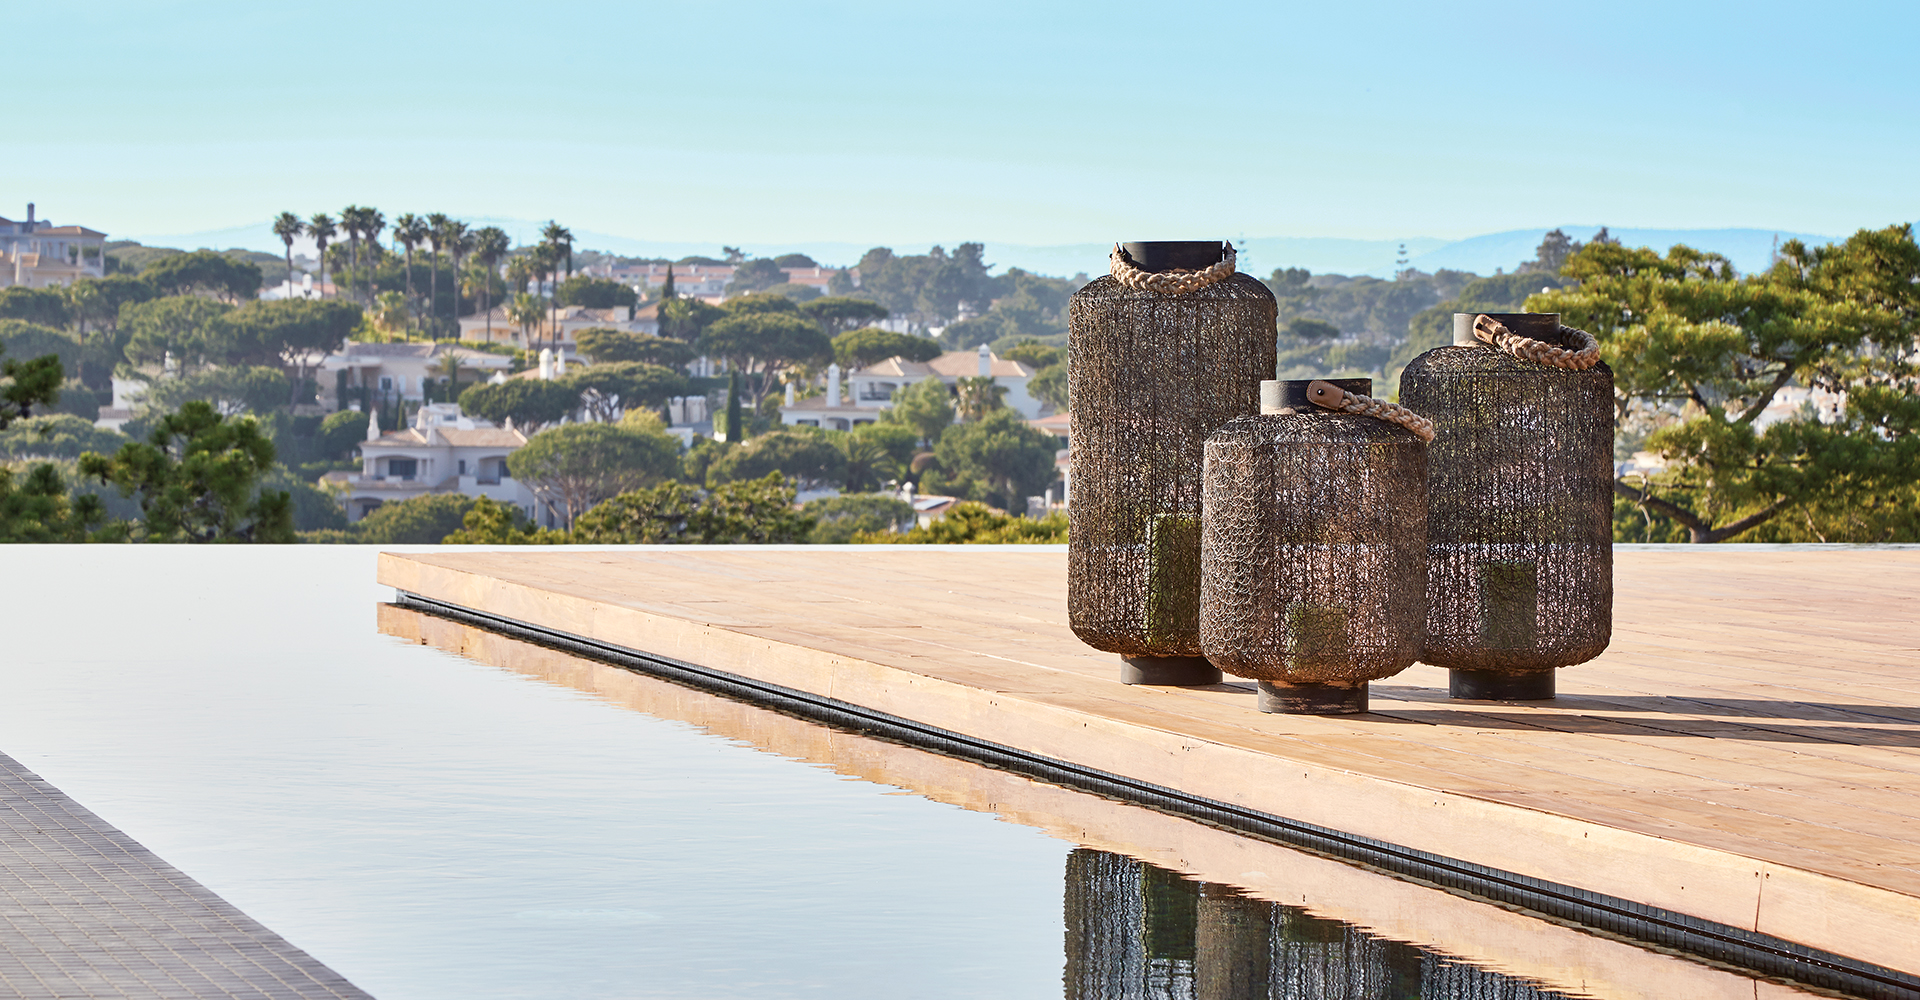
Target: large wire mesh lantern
1520 502
1169 346
1313 547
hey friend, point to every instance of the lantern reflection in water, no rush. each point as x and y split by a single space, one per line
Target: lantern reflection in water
1136 930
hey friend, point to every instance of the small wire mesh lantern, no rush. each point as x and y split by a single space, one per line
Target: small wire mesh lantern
1314 545
1169 346
1520 502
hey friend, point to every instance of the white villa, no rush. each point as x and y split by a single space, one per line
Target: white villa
34 254
870 389
443 452
570 320
398 371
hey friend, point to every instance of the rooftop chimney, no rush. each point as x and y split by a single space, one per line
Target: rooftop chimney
833 385
29 217
986 361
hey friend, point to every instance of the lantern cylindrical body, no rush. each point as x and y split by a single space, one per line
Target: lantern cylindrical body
1520 511
1313 552
1151 376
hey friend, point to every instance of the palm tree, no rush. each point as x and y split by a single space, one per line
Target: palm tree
371 225
288 227
560 238
489 245
459 243
525 311
353 220
546 260
436 225
409 231
321 228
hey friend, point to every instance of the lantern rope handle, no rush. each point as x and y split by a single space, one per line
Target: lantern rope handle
1491 331
1332 397
1177 282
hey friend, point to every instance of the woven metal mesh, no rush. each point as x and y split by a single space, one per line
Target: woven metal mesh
1314 548
1520 510
1152 376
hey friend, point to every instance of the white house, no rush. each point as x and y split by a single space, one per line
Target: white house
870 390
35 254
444 451
569 320
398 371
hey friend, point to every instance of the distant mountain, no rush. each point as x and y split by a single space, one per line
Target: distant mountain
1749 249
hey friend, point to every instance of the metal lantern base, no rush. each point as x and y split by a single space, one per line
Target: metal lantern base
1281 698
1168 671
1493 685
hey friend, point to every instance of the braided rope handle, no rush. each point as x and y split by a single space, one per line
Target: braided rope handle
1181 282
1332 397
1491 331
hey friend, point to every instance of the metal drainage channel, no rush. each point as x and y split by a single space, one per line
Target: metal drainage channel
1664 929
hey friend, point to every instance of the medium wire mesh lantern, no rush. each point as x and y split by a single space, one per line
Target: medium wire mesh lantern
1314 545
1520 502
1170 346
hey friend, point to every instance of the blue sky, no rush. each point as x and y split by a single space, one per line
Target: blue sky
912 123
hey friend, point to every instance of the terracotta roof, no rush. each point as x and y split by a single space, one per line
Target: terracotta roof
389 350
408 438
483 437
67 231
953 364
1053 423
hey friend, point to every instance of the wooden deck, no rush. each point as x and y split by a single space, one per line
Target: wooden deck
1746 752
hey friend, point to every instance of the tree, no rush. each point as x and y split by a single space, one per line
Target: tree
490 522
978 396
288 227
753 338
998 459
459 242
756 275
340 433
926 406
809 457
605 346
197 479
204 271
656 516
1035 354
528 402
608 390
39 509
1554 249
557 242
857 349
27 384
1049 385
1699 353
44 306
423 520
96 302
1303 328
526 312
842 517
490 244
230 391
686 319
736 429
438 230
409 230
839 313
751 512
57 435
595 293
184 328
575 466
321 228
898 442
973 523
297 334
865 463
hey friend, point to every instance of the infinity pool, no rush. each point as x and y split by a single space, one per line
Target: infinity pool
435 825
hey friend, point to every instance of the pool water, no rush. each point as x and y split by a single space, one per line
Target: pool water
434 825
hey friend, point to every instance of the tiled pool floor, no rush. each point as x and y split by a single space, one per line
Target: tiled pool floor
91 913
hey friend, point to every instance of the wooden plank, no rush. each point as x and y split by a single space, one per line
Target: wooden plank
1726 759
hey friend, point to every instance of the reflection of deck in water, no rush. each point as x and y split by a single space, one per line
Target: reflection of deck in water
1741 755
1487 944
